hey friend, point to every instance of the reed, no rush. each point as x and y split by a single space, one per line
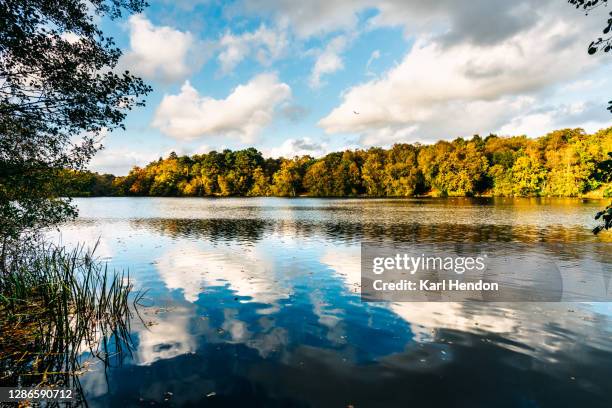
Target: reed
59 310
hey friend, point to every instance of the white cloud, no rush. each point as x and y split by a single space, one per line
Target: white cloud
579 85
297 147
478 21
71 37
243 114
460 90
583 85
329 60
387 135
373 57
535 124
471 70
587 115
307 18
120 161
266 44
159 52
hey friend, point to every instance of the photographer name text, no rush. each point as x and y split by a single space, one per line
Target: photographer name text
428 285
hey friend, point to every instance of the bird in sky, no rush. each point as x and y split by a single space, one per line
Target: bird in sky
356 113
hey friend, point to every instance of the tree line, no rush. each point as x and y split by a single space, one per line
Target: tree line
565 163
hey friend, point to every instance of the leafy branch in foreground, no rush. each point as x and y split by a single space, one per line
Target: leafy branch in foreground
605 45
602 43
606 219
58 83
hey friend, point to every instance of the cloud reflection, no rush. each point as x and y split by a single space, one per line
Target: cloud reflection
248 273
166 338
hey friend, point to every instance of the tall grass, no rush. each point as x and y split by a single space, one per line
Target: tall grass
57 306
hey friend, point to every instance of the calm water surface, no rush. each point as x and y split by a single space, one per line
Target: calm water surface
256 302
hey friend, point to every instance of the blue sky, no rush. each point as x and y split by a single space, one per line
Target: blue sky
311 77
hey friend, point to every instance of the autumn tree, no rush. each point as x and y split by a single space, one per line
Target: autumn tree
566 162
261 184
373 174
288 179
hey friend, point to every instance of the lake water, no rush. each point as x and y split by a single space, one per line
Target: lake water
256 302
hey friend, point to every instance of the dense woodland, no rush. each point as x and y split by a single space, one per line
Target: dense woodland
565 163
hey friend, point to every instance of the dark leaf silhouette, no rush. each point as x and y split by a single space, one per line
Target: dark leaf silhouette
601 44
57 81
606 219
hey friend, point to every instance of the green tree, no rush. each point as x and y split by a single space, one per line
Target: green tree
210 170
373 174
226 184
527 176
461 172
261 184
567 162
402 176
501 154
288 179
57 81
317 180
245 163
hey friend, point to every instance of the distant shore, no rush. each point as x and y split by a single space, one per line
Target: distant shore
564 163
